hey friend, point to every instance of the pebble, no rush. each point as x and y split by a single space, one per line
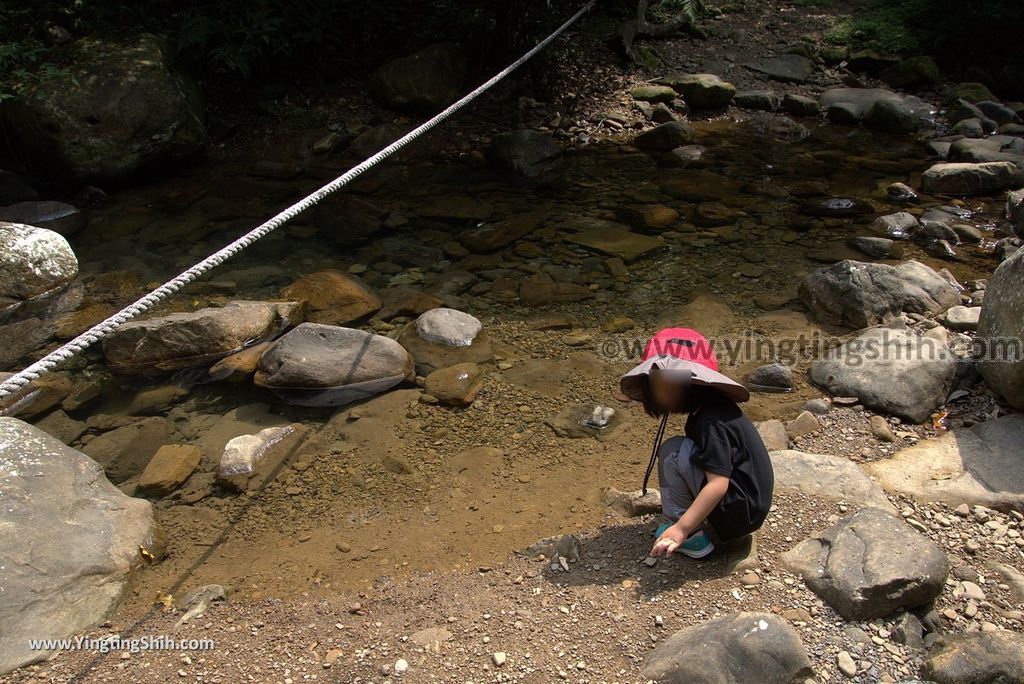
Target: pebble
846 664
499 658
401 666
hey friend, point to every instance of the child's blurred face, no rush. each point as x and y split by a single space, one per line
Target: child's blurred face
666 392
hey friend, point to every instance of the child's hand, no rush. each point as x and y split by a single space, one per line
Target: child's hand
669 541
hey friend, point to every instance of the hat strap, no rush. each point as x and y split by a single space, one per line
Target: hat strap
654 452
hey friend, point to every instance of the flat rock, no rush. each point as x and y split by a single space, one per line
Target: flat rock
869 565
786 68
960 178
493 235
733 649
978 658
828 477
332 297
151 346
963 317
979 465
615 240
588 420
169 468
70 541
773 434
125 451
540 290
633 504
865 366
59 217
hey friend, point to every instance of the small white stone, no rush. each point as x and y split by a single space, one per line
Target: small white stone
401 666
499 658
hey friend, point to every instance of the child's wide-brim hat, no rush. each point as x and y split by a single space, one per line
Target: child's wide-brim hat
683 352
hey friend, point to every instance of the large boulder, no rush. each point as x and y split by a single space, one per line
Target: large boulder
733 649
33 261
68 540
915 72
326 365
117 111
979 465
701 91
189 339
853 293
849 105
865 366
424 82
963 178
925 290
1000 339
979 658
869 565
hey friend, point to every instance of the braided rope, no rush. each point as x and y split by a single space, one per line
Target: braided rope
101 330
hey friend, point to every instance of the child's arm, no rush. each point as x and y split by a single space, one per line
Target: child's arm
706 500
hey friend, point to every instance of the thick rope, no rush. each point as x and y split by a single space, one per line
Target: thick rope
101 330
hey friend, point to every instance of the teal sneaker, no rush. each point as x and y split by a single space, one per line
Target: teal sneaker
697 546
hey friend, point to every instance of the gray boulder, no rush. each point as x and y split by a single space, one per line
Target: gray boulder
891 116
733 649
855 103
764 100
971 179
667 136
70 541
925 290
116 112
899 226
523 153
865 366
701 91
189 339
999 345
424 82
978 658
869 565
326 365
1015 210
853 293
33 261
915 72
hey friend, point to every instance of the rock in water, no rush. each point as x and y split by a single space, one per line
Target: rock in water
125 451
424 82
853 294
733 649
667 136
332 297
169 468
33 261
1015 210
524 153
69 541
56 216
249 461
326 365
186 340
999 344
448 326
870 564
443 337
116 112
972 179
865 366
979 658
